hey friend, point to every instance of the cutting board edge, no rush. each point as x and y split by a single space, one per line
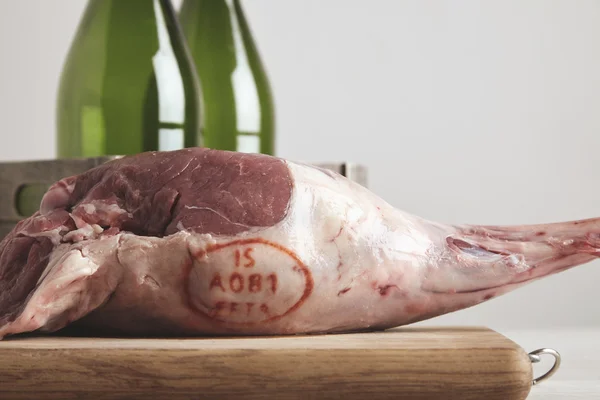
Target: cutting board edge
500 372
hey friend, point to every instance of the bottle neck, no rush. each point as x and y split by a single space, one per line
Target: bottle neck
135 19
166 4
135 9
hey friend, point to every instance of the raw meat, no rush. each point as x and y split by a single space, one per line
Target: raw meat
206 242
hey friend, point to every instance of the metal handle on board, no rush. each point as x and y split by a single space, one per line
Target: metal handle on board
534 357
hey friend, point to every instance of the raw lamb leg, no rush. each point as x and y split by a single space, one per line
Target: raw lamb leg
206 242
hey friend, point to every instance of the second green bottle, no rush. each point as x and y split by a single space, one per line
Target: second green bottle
237 99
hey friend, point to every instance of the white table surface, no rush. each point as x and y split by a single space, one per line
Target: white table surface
579 374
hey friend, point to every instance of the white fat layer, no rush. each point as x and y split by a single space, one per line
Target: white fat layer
53 234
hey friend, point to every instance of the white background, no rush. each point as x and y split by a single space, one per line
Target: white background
463 111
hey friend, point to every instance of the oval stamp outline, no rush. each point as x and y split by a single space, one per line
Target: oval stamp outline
308 280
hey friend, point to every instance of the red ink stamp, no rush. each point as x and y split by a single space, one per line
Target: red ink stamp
248 281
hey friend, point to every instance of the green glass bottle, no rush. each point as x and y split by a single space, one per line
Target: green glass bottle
237 99
128 84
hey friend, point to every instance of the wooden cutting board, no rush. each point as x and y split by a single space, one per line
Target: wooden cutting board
404 363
